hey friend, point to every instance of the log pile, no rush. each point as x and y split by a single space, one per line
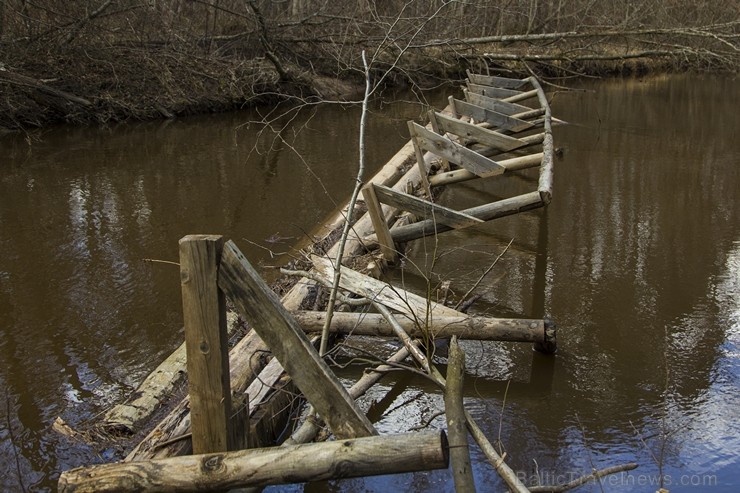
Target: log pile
225 413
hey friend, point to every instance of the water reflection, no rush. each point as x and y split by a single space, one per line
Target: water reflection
637 259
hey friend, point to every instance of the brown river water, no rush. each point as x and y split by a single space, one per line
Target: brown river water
637 260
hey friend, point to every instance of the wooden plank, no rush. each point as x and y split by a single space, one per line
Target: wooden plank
285 338
499 120
478 134
387 454
410 304
454 152
492 80
423 208
492 92
206 341
496 104
385 240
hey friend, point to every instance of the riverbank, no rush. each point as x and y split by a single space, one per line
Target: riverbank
145 62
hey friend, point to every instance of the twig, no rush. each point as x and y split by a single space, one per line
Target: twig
350 210
154 260
12 441
480 279
584 479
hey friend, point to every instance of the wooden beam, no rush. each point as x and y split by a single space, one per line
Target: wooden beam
285 338
412 305
496 119
423 208
513 164
387 454
206 340
454 152
521 97
440 327
375 210
492 92
490 80
487 212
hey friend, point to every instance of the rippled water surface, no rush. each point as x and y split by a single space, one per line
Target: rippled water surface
637 259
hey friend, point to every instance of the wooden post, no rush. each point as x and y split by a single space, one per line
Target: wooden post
381 227
420 160
462 471
387 454
285 338
204 313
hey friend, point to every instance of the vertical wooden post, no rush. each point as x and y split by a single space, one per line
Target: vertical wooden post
420 161
462 471
453 108
435 127
381 227
204 313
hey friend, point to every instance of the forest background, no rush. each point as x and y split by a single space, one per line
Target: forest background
99 61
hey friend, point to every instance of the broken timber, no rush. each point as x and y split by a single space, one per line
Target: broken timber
492 119
499 119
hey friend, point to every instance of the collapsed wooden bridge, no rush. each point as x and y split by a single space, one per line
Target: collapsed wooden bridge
238 400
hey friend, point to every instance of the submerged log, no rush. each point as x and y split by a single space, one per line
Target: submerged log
465 327
387 454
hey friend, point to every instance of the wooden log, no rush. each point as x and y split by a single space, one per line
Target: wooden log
462 471
454 152
387 454
206 340
498 120
476 133
158 386
503 469
487 212
23 80
423 208
546 168
285 338
171 436
410 304
522 97
442 327
459 175
490 80
492 92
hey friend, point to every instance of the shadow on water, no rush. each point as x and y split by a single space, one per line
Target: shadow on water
637 259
